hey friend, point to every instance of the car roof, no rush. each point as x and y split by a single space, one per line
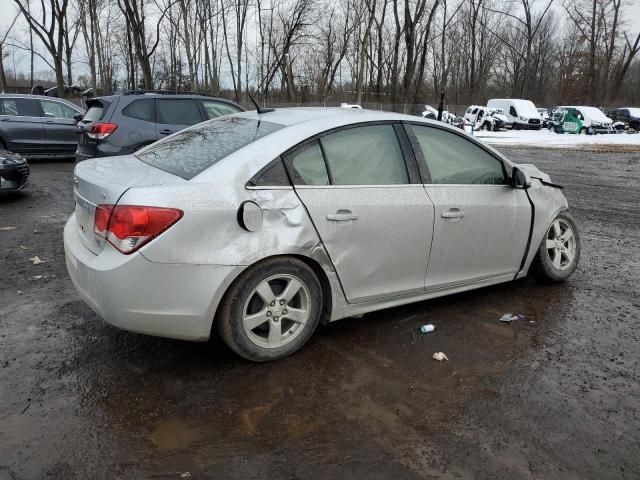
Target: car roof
328 116
40 97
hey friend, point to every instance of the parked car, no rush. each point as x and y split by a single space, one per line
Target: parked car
544 116
122 124
580 119
432 114
484 118
522 114
629 116
351 105
37 126
14 172
263 225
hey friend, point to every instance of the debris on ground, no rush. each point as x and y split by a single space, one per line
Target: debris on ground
37 260
439 356
37 277
185 475
510 317
427 328
8 229
22 247
19 292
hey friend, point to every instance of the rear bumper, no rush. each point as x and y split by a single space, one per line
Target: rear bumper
134 294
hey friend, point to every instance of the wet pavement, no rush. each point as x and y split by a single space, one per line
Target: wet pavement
556 395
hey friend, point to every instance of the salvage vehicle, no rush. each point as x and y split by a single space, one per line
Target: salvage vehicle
432 114
628 116
14 172
37 126
581 120
263 225
544 116
522 114
125 123
484 118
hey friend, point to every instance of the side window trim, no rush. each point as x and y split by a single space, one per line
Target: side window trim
423 166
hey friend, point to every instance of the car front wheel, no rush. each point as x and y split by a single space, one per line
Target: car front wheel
271 310
559 252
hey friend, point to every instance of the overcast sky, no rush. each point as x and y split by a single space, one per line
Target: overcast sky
9 10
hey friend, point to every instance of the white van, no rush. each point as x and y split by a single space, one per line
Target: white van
521 113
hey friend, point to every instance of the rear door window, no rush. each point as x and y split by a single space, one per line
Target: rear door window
143 109
192 151
215 109
178 111
369 155
307 166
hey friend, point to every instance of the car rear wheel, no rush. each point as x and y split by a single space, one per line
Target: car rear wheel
559 252
584 131
271 310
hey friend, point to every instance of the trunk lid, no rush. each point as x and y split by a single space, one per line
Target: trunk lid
103 181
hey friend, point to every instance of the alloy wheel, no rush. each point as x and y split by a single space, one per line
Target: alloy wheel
561 244
276 311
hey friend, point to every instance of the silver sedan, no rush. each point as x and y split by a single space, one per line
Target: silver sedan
263 225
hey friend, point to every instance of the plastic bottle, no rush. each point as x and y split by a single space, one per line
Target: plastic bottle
427 328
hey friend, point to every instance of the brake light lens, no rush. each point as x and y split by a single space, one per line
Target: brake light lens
100 131
129 227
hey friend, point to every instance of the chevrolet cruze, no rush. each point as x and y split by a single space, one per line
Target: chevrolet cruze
262 225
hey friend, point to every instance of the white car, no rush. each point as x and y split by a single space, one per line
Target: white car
262 225
484 118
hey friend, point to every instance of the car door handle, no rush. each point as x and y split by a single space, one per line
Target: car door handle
453 213
342 216
167 132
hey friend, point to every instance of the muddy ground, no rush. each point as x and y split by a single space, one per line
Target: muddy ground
554 396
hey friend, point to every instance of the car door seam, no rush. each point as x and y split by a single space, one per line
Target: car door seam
528 247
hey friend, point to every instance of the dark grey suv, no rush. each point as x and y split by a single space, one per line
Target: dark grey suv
122 124
33 125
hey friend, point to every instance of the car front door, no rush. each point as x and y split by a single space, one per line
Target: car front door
366 202
482 224
174 114
60 127
21 126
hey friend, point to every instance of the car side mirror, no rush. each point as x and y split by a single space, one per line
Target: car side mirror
78 116
519 179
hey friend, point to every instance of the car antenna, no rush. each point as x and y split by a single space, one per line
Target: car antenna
258 108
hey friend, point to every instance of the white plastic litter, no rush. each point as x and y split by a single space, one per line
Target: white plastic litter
439 356
427 328
510 317
37 260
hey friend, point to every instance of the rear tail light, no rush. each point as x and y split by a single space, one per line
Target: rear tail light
100 131
129 227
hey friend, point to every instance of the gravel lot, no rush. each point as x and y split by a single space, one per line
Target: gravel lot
554 396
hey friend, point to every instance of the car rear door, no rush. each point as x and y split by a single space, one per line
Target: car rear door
174 114
21 125
60 128
482 224
368 205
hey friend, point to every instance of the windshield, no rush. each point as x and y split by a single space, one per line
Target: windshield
595 114
192 151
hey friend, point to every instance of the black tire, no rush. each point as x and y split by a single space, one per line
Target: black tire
635 126
240 296
542 266
558 129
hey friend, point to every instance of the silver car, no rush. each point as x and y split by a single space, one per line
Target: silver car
263 225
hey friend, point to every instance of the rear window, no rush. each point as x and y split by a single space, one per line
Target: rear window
192 151
94 113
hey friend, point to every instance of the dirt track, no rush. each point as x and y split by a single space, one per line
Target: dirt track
557 398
